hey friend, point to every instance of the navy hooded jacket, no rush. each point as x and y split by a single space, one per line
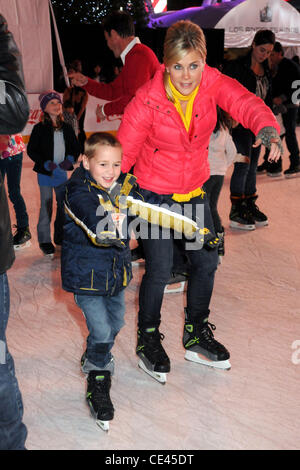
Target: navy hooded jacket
90 265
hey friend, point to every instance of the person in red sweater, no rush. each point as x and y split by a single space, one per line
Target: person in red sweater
140 65
165 133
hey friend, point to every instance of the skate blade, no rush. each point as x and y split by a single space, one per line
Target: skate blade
180 288
50 256
239 226
194 357
161 377
293 175
104 425
24 245
261 224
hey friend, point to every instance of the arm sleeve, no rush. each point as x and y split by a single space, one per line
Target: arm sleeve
83 206
133 131
33 147
138 69
243 106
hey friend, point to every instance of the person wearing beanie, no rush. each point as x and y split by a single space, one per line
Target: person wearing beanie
54 148
47 96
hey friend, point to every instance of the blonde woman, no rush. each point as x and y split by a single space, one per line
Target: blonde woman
165 134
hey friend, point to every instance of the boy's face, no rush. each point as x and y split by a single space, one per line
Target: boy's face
105 166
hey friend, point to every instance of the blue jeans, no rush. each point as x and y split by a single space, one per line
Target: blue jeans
43 227
12 168
104 318
158 265
13 432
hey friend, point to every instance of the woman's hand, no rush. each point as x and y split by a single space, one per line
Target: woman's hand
268 136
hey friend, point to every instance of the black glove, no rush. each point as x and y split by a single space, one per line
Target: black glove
210 241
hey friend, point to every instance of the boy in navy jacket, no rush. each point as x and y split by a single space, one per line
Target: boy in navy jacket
96 260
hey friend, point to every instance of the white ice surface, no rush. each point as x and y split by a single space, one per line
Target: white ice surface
255 306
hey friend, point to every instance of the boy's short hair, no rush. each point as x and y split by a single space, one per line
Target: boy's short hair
96 140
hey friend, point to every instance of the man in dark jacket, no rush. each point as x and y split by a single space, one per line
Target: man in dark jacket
14 112
287 73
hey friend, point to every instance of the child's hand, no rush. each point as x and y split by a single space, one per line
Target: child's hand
118 219
239 158
49 165
67 164
107 238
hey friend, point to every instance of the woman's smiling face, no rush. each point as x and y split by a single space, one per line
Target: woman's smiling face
186 74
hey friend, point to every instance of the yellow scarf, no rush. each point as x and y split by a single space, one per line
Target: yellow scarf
186 118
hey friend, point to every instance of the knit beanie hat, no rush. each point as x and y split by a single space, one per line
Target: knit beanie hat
47 96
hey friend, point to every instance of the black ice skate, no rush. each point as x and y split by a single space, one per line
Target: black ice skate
153 358
22 238
240 216
201 346
48 249
97 396
260 219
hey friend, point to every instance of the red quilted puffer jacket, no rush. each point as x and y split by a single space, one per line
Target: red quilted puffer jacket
166 158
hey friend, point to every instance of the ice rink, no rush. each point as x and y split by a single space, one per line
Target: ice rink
255 306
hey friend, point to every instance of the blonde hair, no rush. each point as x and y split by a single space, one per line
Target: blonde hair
181 38
96 140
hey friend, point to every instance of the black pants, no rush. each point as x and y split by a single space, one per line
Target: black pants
158 265
243 178
289 120
213 187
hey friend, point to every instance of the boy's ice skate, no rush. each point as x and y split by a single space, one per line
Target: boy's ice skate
201 347
98 398
153 358
22 238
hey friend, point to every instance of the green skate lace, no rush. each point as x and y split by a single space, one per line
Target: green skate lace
206 332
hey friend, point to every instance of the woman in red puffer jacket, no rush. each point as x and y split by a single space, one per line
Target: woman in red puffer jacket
165 134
